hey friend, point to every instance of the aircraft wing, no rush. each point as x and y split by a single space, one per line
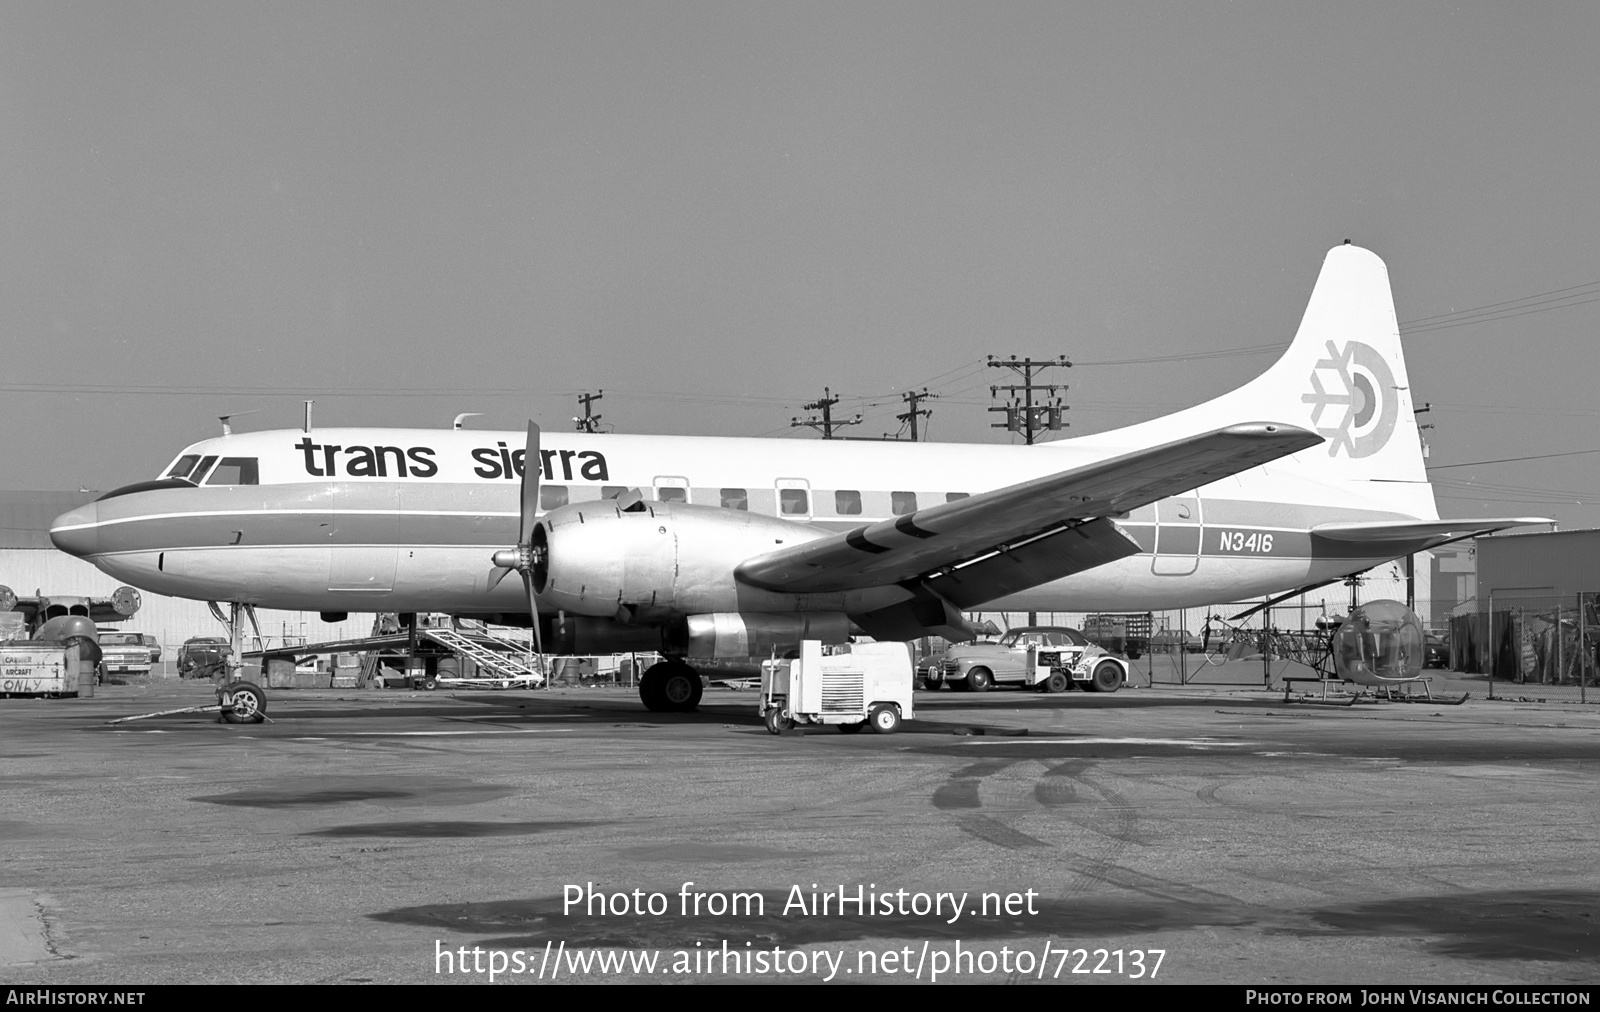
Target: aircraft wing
1420 530
995 543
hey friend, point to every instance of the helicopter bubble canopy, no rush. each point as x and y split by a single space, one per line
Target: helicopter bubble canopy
1380 640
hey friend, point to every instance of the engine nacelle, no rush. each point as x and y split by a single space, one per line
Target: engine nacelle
583 634
661 558
756 634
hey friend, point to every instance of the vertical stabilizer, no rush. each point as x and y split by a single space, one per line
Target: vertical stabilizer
1344 377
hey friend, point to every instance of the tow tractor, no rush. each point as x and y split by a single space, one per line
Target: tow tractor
870 685
1057 669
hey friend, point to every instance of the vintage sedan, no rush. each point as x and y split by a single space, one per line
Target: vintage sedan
978 666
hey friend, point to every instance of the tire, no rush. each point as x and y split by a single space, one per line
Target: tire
249 704
681 688
1107 677
855 728
430 682
979 680
884 718
777 721
1057 682
650 688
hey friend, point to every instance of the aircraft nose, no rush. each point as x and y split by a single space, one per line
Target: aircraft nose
77 532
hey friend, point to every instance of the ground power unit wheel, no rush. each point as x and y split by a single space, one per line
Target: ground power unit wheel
884 718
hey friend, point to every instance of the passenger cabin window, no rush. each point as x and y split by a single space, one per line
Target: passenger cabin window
901 503
847 502
184 465
735 498
672 493
236 471
552 496
956 496
793 502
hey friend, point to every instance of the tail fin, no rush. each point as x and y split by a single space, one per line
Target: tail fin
1344 377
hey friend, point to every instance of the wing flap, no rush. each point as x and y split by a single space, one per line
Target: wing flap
1062 553
941 537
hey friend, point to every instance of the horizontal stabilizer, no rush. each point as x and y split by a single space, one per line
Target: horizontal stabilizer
1420 530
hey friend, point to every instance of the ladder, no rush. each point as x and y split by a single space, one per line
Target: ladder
503 658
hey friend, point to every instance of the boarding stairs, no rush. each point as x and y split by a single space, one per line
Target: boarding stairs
505 662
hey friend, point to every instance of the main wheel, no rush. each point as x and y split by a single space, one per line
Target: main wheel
979 679
1107 677
1057 682
884 718
681 688
248 704
778 721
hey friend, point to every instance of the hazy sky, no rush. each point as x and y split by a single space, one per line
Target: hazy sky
713 210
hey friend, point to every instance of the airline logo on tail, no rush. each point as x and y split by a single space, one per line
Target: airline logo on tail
1364 390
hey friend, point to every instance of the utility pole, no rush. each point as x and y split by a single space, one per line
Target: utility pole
912 397
826 424
589 421
1027 417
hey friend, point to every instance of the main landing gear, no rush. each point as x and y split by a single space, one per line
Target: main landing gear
671 687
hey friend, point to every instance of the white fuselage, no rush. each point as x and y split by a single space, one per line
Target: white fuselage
342 520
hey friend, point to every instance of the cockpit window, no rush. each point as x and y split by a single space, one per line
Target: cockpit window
236 471
184 465
201 469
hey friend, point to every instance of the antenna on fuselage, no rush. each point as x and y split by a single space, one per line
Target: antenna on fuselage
227 430
462 418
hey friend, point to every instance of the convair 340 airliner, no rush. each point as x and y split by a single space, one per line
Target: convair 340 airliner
732 547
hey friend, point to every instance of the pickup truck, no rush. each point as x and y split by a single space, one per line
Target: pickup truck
123 653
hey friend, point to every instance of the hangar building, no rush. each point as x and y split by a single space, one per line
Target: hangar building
1533 617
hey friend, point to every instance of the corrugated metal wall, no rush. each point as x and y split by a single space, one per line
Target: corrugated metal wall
1557 564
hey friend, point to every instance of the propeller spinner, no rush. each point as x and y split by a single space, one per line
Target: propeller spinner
524 556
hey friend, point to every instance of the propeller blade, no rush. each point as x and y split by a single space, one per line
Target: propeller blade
496 574
536 641
533 611
532 470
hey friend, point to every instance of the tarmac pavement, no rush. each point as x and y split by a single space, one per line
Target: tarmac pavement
365 835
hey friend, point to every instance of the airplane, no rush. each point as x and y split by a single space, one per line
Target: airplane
722 547
71 620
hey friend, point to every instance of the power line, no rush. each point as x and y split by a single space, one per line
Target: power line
1504 302
1509 460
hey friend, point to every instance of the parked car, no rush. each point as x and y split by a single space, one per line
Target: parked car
155 647
978 666
1436 652
1167 641
204 657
